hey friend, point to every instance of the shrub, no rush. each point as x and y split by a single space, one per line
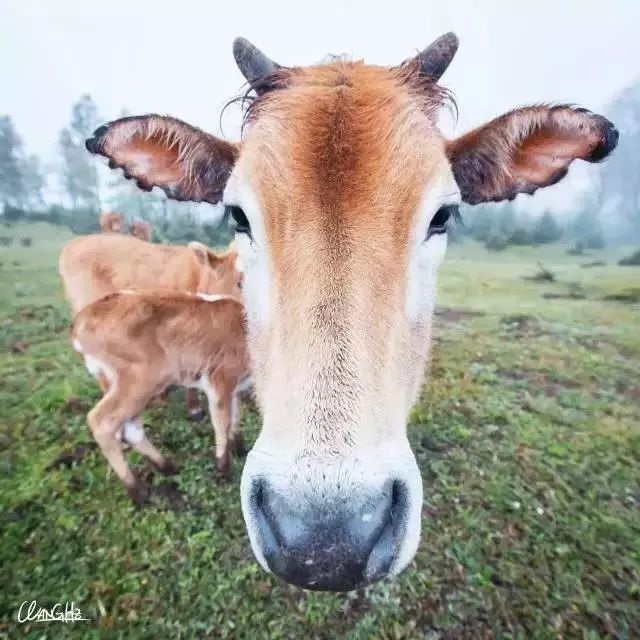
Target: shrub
546 230
577 249
13 214
632 260
25 242
496 242
520 236
5 241
595 241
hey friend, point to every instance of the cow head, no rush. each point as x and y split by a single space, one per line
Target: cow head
341 192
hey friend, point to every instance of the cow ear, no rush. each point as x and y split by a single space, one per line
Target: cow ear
158 151
527 149
201 252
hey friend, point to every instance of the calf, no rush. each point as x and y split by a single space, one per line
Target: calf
139 343
94 266
111 222
141 230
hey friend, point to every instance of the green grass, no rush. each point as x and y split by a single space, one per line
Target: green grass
527 434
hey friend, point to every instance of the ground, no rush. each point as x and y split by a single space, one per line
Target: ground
527 434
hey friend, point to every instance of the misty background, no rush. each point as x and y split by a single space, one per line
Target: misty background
68 66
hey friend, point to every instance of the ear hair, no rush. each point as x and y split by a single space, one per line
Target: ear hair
527 149
158 151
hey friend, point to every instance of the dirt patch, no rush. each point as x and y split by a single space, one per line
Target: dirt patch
456 315
70 456
539 383
573 293
18 347
522 326
170 492
74 404
630 296
628 390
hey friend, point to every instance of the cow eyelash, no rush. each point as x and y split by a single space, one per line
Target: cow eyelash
240 220
441 221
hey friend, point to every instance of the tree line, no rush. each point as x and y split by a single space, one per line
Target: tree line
608 212
85 187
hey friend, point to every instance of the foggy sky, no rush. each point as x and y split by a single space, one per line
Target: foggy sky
174 57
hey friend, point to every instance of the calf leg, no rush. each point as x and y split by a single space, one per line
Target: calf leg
103 381
193 405
219 396
106 419
235 434
134 434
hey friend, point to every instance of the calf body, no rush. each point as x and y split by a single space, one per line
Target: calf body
139 343
96 265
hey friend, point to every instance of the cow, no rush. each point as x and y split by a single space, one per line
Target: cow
141 230
96 265
111 222
137 343
341 192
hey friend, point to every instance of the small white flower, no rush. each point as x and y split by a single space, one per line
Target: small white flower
540 511
515 504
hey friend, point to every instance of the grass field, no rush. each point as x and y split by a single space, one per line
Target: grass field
527 434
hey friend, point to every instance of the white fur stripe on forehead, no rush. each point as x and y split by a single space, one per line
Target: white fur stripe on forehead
425 256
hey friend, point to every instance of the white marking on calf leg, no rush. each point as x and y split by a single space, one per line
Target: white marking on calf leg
133 431
135 435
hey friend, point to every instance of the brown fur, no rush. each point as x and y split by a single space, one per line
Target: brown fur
93 266
527 149
111 222
347 140
147 341
187 163
141 230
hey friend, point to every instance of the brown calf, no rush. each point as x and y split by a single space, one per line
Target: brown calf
139 343
97 265
111 222
141 230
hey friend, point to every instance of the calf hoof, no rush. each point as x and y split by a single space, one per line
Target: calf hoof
138 493
196 415
223 469
237 447
168 468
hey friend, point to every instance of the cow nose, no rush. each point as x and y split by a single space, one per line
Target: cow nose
330 544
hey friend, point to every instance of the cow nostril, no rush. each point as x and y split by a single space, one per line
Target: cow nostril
385 549
330 545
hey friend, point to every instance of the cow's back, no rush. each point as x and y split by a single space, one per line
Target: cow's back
96 265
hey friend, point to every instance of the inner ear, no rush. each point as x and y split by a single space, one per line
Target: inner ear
158 151
527 149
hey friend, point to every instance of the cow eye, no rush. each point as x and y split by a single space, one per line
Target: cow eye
241 223
441 219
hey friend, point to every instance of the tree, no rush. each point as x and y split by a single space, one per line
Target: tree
33 181
79 174
11 183
620 176
479 221
587 228
546 229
